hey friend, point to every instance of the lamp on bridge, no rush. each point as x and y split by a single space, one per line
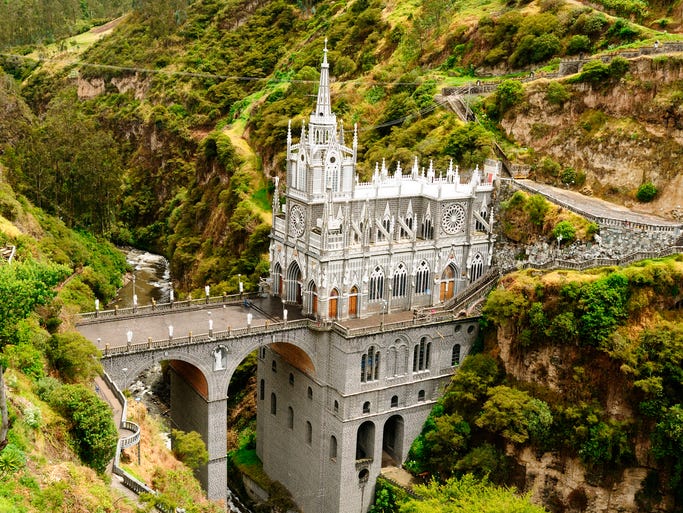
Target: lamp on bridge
129 337
135 296
170 296
284 315
211 327
170 332
249 318
207 291
241 285
97 307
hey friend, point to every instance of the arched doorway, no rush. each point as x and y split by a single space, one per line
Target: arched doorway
293 284
277 280
311 305
392 442
353 302
332 308
365 441
448 282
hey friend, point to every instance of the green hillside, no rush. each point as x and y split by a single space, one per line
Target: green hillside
161 125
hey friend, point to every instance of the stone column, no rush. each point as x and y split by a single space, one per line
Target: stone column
214 476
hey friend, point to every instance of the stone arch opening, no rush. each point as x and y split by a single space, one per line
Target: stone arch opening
293 284
448 282
311 303
353 302
365 441
277 279
392 441
333 301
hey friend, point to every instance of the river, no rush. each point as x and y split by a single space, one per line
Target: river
151 279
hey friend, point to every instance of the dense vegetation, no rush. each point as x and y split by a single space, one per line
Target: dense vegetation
175 150
28 22
183 81
613 331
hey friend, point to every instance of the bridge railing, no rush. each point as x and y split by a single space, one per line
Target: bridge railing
155 308
215 336
128 480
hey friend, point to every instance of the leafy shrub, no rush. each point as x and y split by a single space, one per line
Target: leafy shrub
564 231
75 357
646 192
94 435
557 93
578 43
189 448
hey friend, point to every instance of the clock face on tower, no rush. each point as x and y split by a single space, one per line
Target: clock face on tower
297 221
453 218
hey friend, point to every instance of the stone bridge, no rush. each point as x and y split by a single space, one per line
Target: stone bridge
209 338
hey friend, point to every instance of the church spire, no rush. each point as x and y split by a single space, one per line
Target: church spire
323 107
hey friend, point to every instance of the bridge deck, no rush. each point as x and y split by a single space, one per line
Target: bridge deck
114 331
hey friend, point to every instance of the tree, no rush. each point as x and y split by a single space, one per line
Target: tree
189 448
514 414
74 356
23 286
469 144
92 428
508 94
564 231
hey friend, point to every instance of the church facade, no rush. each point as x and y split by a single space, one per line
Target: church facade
344 249
359 257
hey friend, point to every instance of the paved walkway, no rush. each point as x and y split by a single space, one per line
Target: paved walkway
400 476
114 331
596 206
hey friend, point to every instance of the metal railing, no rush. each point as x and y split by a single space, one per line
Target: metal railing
161 308
600 220
128 480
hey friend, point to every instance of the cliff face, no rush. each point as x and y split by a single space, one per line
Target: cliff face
560 481
603 349
620 134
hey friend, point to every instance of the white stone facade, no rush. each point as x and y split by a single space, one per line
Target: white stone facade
349 252
345 249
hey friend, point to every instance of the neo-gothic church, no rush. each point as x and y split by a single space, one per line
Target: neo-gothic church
407 239
333 416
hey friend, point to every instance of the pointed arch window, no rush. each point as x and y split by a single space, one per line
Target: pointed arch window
376 291
400 281
422 279
409 223
477 268
483 212
421 355
369 365
455 355
277 279
427 228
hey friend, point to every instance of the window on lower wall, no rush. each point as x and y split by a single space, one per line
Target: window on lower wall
273 403
333 447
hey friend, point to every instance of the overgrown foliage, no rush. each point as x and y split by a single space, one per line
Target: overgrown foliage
92 428
523 211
